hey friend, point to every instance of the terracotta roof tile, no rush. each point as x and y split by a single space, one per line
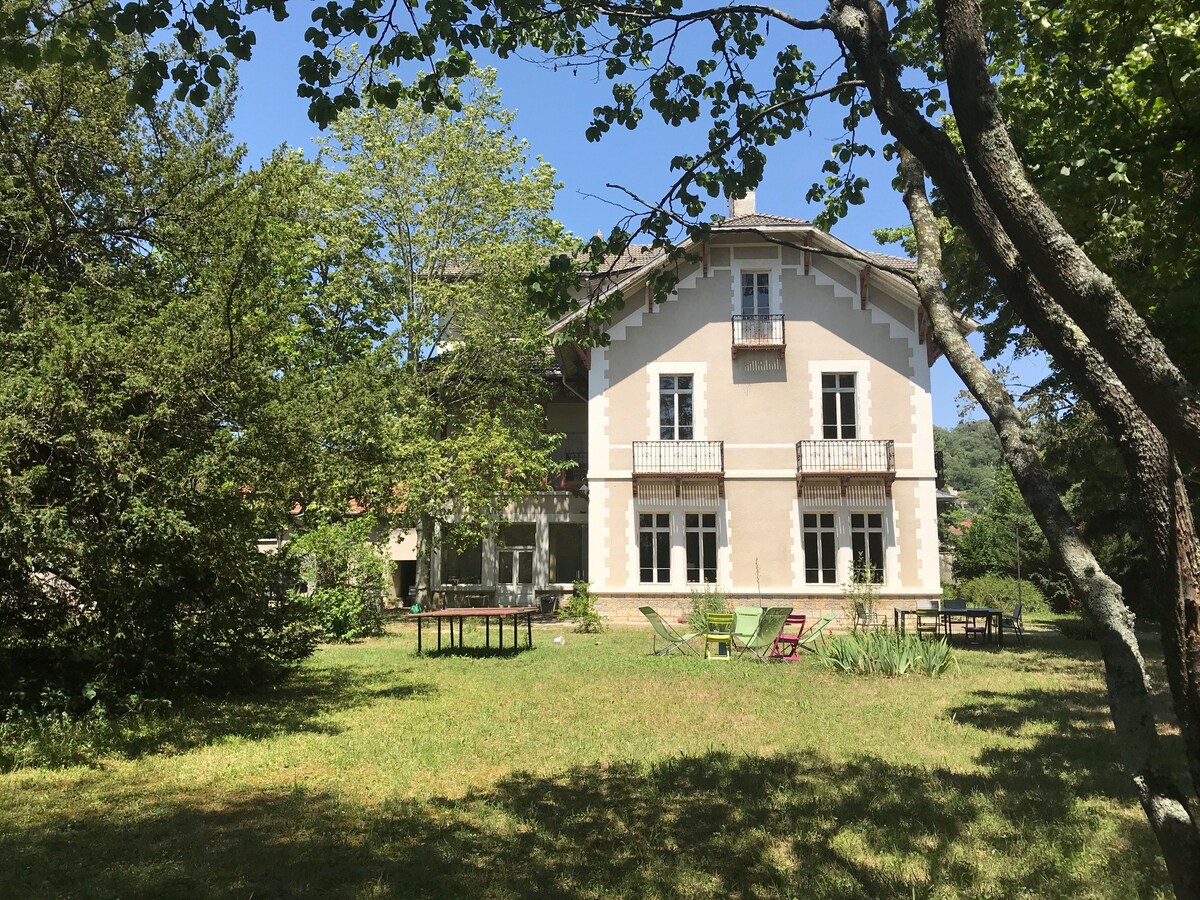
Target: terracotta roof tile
760 220
892 262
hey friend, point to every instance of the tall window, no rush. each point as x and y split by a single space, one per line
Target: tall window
837 406
568 552
866 545
654 547
675 408
700 538
820 549
516 553
462 565
756 293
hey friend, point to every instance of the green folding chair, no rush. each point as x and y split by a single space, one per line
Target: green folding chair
763 639
745 623
718 639
672 639
810 637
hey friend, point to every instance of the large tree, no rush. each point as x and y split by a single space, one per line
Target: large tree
453 219
142 306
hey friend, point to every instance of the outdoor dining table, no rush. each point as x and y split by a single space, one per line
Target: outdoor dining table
487 613
947 615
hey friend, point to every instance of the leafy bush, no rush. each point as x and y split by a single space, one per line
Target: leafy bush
710 600
1000 592
580 608
886 653
346 573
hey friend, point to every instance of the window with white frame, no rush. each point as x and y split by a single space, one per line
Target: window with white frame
700 540
838 412
756 293
654 547
820 548
675 396
517 540
866 546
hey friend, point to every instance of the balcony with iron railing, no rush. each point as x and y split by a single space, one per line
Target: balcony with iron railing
758 333
573 453
846 459
679 460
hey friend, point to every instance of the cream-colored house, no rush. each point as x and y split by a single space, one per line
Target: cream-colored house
761 431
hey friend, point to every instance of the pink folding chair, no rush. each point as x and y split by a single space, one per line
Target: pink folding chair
787 644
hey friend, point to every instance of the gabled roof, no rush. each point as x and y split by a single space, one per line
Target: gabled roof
639 260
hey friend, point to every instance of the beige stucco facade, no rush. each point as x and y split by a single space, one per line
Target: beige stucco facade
759 403
842 314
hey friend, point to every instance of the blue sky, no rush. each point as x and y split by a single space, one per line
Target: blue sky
553 110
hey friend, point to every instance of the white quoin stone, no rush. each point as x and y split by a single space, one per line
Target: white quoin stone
741 207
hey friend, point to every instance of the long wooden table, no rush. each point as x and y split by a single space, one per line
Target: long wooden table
487 613
949 615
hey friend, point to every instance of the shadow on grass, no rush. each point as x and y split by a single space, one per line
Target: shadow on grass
477 652
1030 822
300 704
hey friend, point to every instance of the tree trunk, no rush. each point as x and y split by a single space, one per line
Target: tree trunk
1089 296
861 27
1125 673
424 561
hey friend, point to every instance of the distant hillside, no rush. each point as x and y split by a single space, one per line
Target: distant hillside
970 454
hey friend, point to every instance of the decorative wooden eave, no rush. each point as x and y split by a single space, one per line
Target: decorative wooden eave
677 479
843 479
864 286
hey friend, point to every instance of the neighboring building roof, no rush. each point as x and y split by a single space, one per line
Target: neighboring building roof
634 257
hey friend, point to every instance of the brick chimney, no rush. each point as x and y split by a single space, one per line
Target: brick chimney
741 207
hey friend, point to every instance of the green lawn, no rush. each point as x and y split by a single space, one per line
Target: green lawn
591 769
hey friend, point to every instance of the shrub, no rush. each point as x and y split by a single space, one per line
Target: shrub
1000 592
860 596
346 572
707 601
580 608
886 653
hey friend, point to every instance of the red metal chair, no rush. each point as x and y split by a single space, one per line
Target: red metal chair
787 644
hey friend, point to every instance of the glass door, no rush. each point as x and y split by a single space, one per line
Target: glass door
514 583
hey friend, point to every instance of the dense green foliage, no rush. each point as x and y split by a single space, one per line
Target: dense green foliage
970 456
1002 592
194 357
344 572
143 307
449 217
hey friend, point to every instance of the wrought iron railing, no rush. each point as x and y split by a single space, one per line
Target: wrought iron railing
678 457
750 332
846 457
579 471
573 450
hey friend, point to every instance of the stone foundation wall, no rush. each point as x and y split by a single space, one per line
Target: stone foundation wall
622 609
